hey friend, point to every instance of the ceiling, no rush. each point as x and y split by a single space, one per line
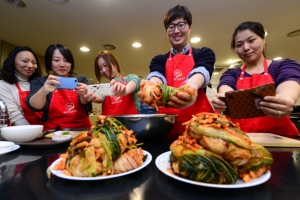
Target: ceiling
93 23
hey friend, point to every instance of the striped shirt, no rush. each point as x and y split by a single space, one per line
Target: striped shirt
281 71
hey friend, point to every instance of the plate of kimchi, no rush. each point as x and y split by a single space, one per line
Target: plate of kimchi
59 173
107 150
163 164
214 151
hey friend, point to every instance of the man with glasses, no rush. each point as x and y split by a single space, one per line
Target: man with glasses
183 65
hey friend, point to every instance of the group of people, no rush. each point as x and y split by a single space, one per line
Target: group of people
33 99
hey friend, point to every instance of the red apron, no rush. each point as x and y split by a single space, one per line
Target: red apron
65 111
123 105
31 116
281 126
177 71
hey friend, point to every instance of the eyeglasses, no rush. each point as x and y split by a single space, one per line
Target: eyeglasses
180 26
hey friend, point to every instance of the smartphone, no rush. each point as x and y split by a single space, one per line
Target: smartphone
104 89
67 83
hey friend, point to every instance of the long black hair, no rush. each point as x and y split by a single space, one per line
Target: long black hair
8 69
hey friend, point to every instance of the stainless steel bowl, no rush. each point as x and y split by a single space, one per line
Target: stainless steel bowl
148 126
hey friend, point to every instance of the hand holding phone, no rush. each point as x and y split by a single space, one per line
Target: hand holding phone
226 111
67 83
104 89
244 103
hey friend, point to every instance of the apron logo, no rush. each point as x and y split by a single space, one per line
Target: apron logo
116 100
177 73
70 106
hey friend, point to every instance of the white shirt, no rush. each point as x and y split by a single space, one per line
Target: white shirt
10 95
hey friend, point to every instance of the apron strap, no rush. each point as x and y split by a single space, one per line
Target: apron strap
244 69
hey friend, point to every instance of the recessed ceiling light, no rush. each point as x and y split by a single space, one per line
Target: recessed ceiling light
277 58
16 3
215 73
294 33
59 1
109 47
195 40
136 45
85 49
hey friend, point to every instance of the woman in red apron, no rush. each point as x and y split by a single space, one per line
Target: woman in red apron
125 100
248 42
19 68
61 107
30 116
183 65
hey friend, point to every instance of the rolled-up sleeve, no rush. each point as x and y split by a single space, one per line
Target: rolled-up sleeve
136 79
204 72
158 75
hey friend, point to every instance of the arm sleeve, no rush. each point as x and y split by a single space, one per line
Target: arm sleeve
204 57
21 121
136 79
10 95
204 63
286 70
157 74
157 67
83 79
230 78
158 63
35 85
204 72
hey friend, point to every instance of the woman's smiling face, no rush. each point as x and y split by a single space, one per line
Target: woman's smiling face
60 66
249 46
104 69
25 63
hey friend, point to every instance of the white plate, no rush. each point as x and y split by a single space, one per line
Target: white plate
73 134
5 146
15 147
61 175
162 163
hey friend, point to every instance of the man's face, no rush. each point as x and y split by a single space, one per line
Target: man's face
180 35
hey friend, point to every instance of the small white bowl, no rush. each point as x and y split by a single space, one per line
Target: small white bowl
61 138
5 146
57 133
58 136
19 134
